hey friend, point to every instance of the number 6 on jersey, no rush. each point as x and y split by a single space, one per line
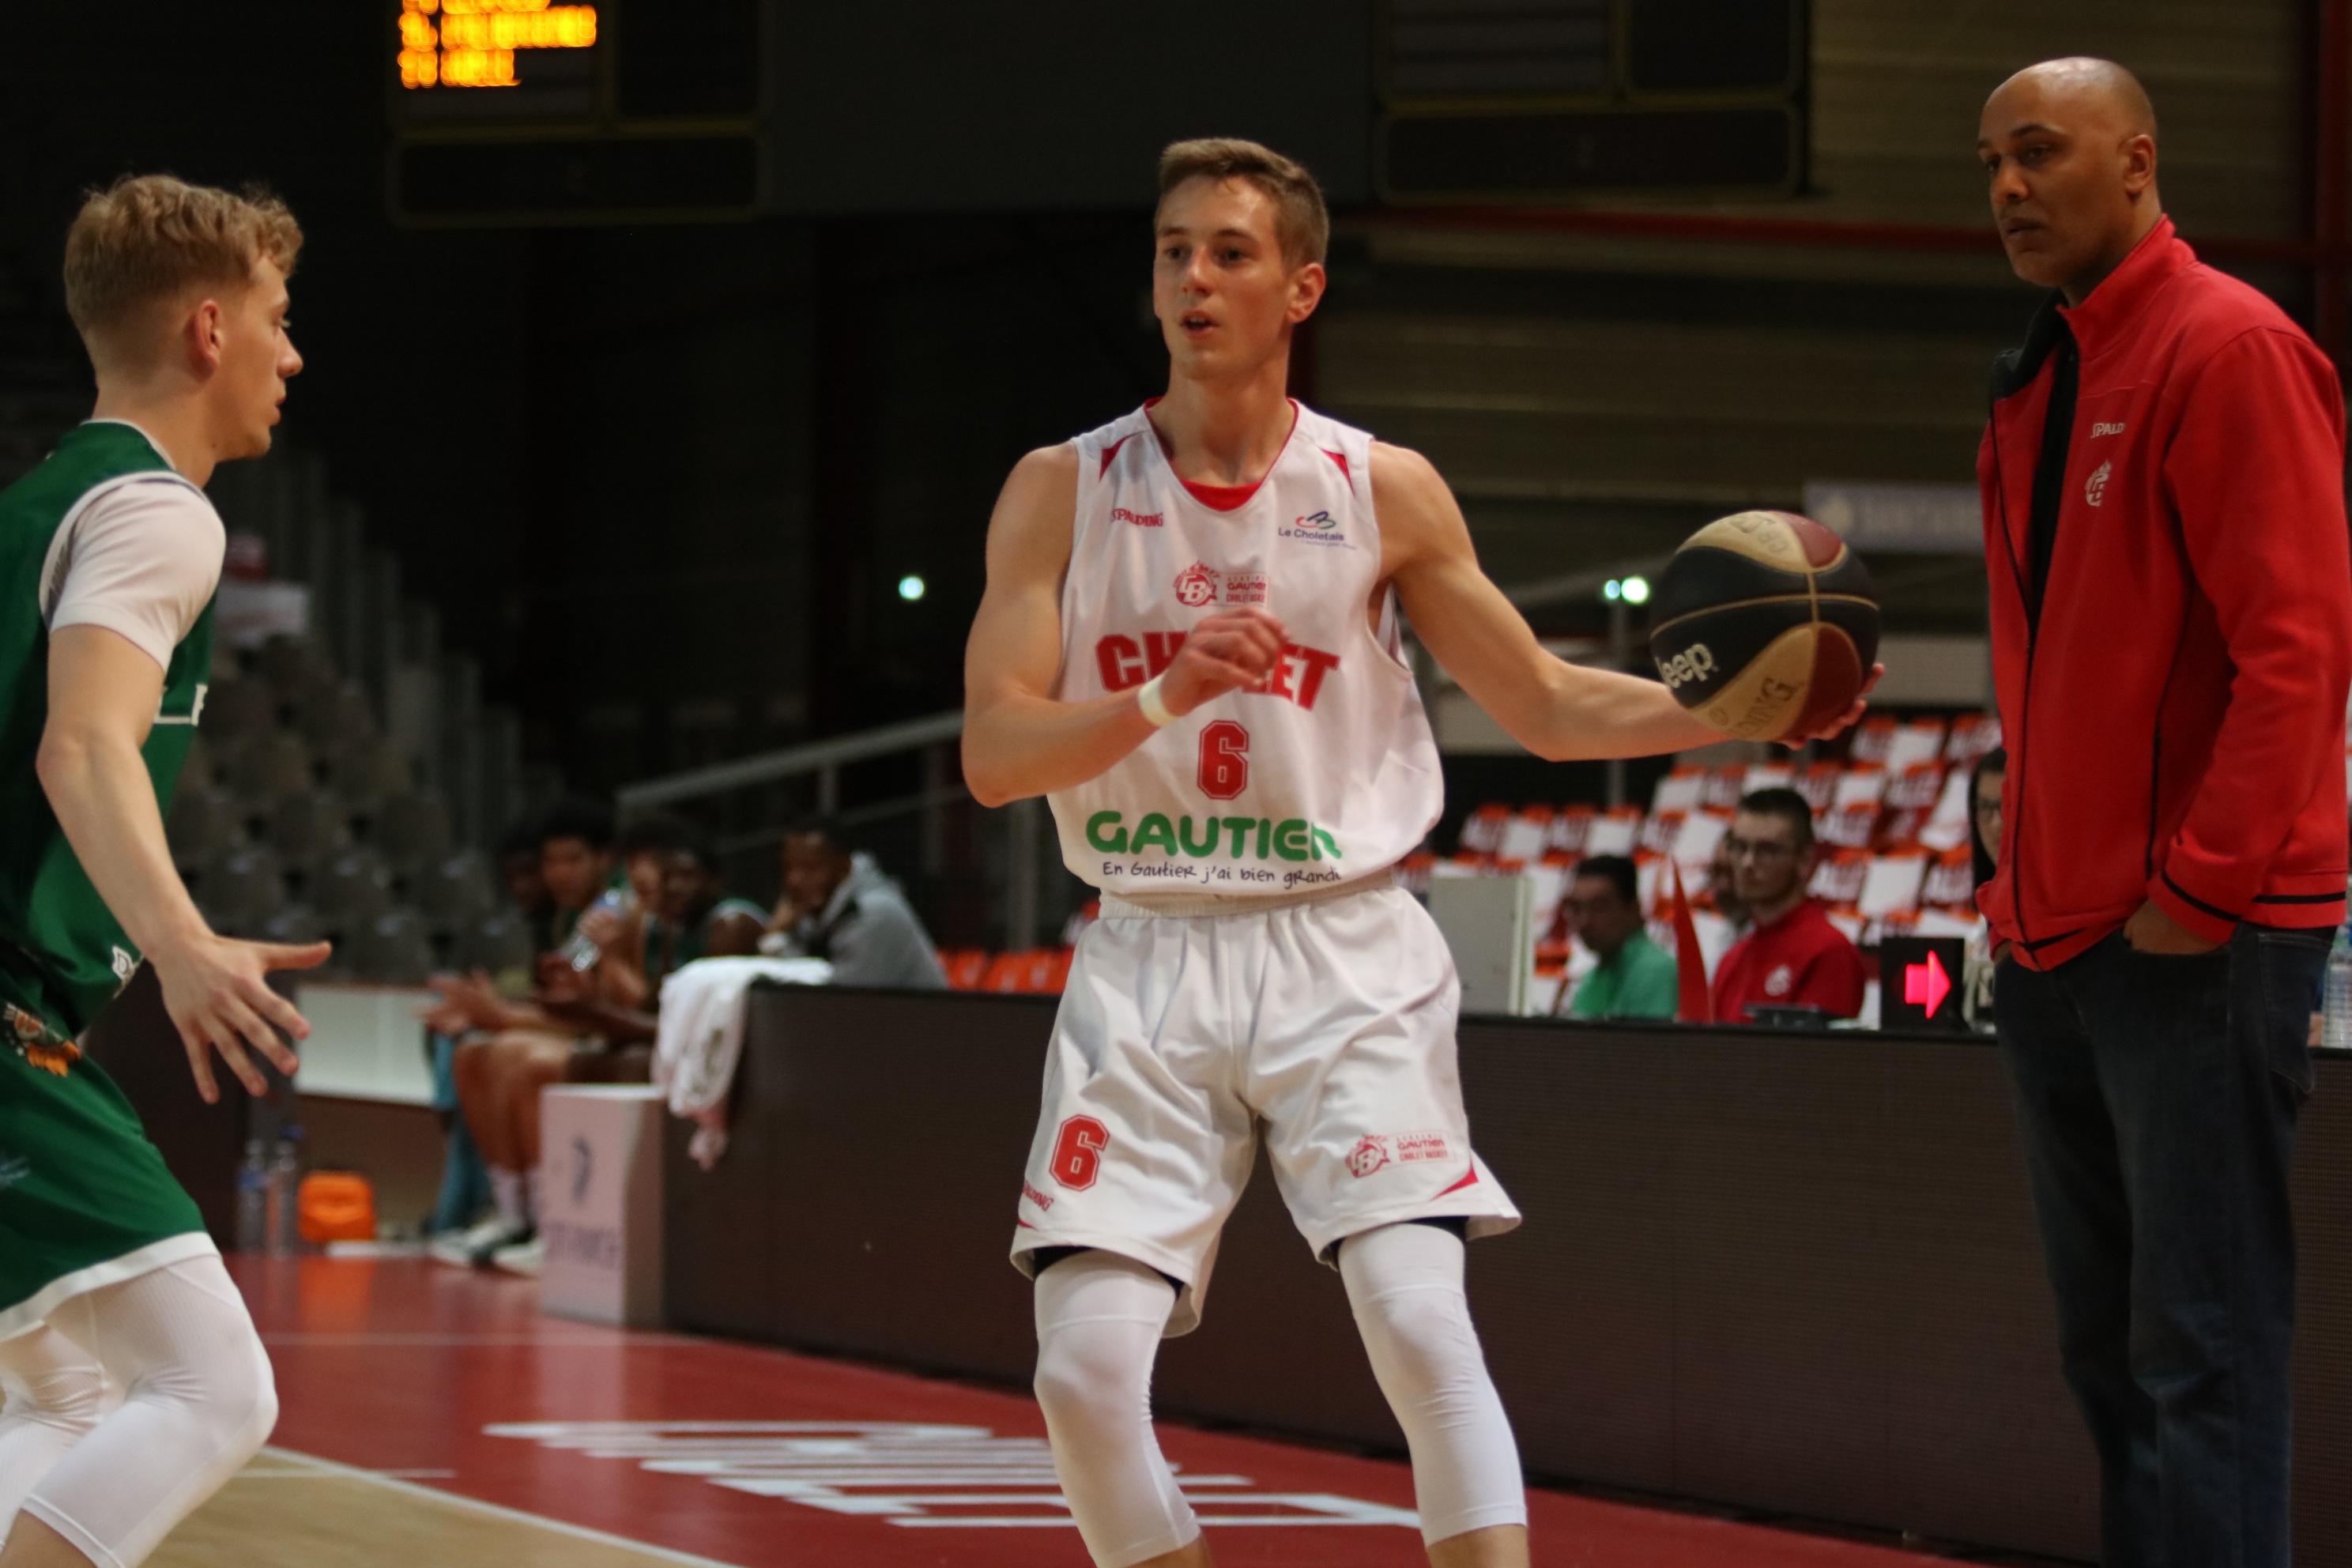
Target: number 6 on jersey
1224 760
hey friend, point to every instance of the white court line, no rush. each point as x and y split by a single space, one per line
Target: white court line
252 1475
565 1341
496 1510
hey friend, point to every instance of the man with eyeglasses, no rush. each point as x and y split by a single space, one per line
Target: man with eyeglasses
1793 957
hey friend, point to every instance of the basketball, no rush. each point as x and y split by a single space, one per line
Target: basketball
1763 625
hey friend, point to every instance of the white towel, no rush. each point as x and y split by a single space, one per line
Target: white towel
700 1037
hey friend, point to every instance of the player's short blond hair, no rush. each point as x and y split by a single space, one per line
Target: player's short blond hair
1302 223
150 238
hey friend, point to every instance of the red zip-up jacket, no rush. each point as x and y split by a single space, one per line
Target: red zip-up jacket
2175 714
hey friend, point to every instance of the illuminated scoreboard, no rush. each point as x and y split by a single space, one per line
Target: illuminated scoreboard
474 43
526 111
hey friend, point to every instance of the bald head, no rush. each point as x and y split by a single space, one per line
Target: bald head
2087 86
2070 147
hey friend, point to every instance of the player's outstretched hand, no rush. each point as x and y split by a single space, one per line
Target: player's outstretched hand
1224 652
1845 721
219 996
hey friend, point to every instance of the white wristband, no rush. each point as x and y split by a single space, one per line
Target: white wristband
1147 696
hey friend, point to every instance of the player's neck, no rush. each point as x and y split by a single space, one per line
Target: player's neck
1773 913
1228 431
177 424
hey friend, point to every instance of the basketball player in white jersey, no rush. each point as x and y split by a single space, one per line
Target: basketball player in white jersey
1189 644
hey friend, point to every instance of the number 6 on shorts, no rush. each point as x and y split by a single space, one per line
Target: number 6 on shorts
1078 1151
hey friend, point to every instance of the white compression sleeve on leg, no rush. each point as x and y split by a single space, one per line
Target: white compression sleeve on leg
198 1400
1099 1317
1405 1282
56 1393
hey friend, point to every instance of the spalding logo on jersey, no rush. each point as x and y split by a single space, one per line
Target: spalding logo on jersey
1196 585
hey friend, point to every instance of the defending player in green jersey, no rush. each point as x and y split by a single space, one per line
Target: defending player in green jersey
110 556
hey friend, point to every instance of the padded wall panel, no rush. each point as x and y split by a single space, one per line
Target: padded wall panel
1786 1272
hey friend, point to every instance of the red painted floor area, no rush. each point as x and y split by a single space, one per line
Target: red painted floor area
760 1459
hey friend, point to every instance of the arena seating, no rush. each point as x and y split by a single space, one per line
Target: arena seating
1034 971
297 819
1892 816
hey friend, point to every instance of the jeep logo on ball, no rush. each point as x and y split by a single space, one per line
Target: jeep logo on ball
1696 662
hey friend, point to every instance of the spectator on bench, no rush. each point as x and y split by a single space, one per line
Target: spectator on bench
465 1180
647 847
1635 978
690 918
511 1050
1793 957
838 906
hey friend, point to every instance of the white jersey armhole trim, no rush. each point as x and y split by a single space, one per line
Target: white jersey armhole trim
1070 562
1387 640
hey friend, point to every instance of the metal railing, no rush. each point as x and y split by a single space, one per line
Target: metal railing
825 759
1023 821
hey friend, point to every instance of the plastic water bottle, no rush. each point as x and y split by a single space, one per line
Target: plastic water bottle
285 1178
2337 1032
253 1198
581 951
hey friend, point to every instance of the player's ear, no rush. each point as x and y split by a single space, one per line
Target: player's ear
201 334
1307 286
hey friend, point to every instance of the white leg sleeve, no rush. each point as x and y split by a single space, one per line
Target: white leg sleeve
1405 1282
1099 1317
198 1400
56 1392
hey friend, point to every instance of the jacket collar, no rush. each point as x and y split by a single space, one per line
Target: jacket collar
2101 318
2112 308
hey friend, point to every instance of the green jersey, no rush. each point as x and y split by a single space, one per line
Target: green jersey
85 1199
63 955
667 951
1639 981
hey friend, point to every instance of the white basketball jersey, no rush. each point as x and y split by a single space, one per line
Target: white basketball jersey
1323 773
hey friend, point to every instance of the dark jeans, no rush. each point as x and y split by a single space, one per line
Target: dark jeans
2157 1099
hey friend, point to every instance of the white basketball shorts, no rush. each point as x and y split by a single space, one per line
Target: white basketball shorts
1330 1024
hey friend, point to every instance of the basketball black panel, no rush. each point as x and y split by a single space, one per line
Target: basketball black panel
1700 653
1859 620
1849 576
1699 576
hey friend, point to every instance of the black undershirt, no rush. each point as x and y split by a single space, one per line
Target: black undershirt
2050 471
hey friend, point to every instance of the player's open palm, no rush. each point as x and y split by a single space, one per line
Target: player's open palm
1224 652
217 992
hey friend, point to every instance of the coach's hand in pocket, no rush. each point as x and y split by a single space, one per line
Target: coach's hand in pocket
2152 931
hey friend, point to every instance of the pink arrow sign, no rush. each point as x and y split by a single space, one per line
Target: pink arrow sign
1926 984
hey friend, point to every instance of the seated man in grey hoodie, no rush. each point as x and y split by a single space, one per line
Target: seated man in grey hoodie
840 907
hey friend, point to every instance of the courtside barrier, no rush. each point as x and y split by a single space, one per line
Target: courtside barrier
1794 1273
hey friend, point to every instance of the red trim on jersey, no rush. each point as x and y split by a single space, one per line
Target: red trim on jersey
1469 1181
1220 497
1111 451
1024 1224
1340 458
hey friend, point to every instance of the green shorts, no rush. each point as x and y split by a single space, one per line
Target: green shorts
85 1200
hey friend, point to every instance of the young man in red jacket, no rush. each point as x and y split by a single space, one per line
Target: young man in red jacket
1792 957
2163 482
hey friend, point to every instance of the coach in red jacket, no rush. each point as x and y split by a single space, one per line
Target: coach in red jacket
2163 481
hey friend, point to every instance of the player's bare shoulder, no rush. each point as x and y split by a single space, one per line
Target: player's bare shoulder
1418 514
1036 512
